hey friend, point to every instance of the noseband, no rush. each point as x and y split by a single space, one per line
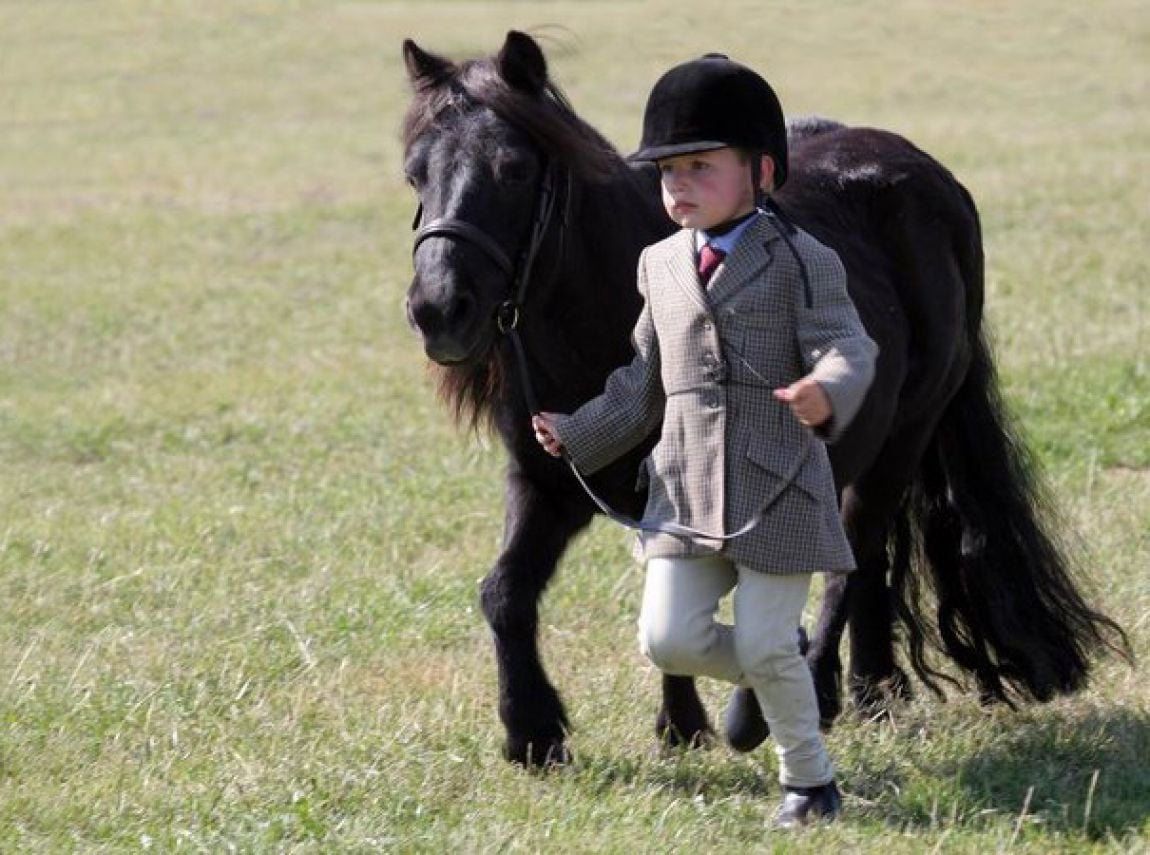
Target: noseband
447 227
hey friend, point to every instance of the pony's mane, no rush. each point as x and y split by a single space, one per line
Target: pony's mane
802 127
547 119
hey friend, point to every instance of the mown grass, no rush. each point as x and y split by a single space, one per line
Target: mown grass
240 541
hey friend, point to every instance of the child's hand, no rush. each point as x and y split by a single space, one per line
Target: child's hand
808 402
544 424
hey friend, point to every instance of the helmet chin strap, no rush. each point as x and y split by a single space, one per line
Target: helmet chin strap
757 179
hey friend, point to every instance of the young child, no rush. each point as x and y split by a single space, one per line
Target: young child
741 359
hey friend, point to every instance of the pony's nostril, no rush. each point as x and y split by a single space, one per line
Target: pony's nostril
425 316
449 316
460 311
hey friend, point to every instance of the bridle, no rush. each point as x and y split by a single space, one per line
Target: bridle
507 314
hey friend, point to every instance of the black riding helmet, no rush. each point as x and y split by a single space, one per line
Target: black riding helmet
709 103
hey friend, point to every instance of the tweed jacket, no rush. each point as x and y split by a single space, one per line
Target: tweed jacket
707 360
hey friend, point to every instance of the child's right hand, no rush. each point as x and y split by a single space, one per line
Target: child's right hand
544 424
808 401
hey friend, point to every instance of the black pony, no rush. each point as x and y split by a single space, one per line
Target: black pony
532 226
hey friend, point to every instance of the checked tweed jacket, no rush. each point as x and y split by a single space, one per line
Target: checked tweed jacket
707 360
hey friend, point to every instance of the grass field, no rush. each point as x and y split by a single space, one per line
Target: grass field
240 541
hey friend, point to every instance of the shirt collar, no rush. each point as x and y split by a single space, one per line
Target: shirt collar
724 242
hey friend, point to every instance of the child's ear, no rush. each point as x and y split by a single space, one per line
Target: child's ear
767 173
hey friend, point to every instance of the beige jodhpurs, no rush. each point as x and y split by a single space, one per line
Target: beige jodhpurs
679 634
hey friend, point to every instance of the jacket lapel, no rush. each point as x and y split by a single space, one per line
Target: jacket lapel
750 256
681 262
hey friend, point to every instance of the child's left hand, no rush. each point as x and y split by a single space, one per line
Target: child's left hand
808 402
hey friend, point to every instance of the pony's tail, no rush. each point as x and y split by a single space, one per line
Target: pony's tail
1008 606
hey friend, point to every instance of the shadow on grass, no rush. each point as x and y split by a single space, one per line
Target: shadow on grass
687 772
1070 772
1089 772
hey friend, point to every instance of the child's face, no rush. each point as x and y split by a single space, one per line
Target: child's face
706 188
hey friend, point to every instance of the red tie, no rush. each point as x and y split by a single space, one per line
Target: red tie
709 259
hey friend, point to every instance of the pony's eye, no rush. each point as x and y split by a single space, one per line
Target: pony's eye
414 173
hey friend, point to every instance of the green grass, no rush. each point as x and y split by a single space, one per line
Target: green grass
240 541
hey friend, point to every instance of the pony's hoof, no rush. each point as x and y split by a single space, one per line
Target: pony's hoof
671 736
873 699
830 708
544 753
745 726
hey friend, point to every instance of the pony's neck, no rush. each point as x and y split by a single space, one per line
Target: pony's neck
578 320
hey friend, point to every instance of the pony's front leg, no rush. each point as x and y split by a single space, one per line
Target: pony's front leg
537 529
682 720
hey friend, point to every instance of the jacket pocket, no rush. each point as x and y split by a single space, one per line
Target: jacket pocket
781 466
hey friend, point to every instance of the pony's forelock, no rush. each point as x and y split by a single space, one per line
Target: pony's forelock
546 118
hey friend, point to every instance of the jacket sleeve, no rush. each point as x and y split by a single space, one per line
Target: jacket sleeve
836 350
630 406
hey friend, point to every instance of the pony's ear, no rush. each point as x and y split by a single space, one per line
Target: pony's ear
424 68
521 63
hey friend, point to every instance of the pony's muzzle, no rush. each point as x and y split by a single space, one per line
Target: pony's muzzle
447 325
